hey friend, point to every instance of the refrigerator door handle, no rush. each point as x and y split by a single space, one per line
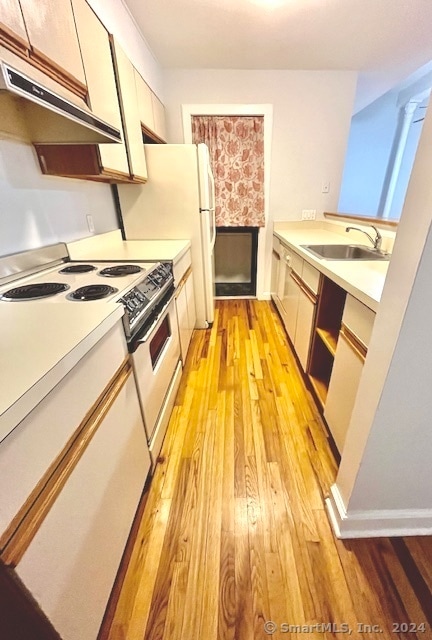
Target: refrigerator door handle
211 225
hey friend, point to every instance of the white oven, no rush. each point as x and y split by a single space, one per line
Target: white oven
156 362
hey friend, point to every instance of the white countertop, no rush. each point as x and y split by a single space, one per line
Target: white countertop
363 279
40 344
110 246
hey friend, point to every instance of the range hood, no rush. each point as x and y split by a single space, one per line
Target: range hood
33 112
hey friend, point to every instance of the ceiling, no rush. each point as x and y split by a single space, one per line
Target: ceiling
384 40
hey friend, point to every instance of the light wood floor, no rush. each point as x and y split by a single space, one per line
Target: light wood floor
234 532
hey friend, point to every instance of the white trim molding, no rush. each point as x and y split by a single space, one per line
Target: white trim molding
266 110
373 524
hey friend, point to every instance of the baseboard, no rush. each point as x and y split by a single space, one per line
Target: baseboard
373 524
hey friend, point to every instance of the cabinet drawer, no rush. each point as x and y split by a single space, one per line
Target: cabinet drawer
293 260
28 451
311 276
296 263
276 245
182 266
359 319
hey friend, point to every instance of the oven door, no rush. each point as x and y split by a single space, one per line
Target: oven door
156 366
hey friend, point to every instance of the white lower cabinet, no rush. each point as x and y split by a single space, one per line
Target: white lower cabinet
344 382
186 314
295 296
275 270
351 351
290 302
304 326
73 472
190 297
30 449
71 564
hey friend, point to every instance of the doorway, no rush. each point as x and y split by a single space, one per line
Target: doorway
265 110
236 261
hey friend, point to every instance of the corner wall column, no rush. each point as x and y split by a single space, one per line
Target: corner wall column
409 111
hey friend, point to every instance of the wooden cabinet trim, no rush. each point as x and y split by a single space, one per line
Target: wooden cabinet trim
24 526
13 41
78 161
38 60
151 134
353 342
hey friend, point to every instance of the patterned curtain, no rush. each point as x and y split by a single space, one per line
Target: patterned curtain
236 145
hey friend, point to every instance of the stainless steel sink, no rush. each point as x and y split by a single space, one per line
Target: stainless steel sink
345 252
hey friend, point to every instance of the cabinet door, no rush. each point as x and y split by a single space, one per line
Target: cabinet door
159 117
99 70
186 314
125 74
190 295
281 277
145 104
290 302
53 39
275 273
304 325
12 28
71 564
183 320
344 381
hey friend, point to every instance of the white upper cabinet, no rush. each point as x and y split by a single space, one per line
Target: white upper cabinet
53 40
126 85
150 108
101 82
12 27
158 117
144 97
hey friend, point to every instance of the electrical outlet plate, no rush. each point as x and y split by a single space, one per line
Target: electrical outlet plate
325 188
308 214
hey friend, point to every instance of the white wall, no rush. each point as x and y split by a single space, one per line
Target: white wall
311 120
369 148
372 147
383 484
36 210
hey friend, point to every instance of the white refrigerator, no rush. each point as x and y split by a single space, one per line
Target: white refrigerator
177 202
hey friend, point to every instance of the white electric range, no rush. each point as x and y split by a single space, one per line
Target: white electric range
47 275
146 291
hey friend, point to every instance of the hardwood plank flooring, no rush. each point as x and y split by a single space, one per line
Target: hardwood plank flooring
234 532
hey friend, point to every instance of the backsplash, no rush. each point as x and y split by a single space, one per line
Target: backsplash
37 210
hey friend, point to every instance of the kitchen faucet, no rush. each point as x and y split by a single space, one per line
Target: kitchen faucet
378 237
